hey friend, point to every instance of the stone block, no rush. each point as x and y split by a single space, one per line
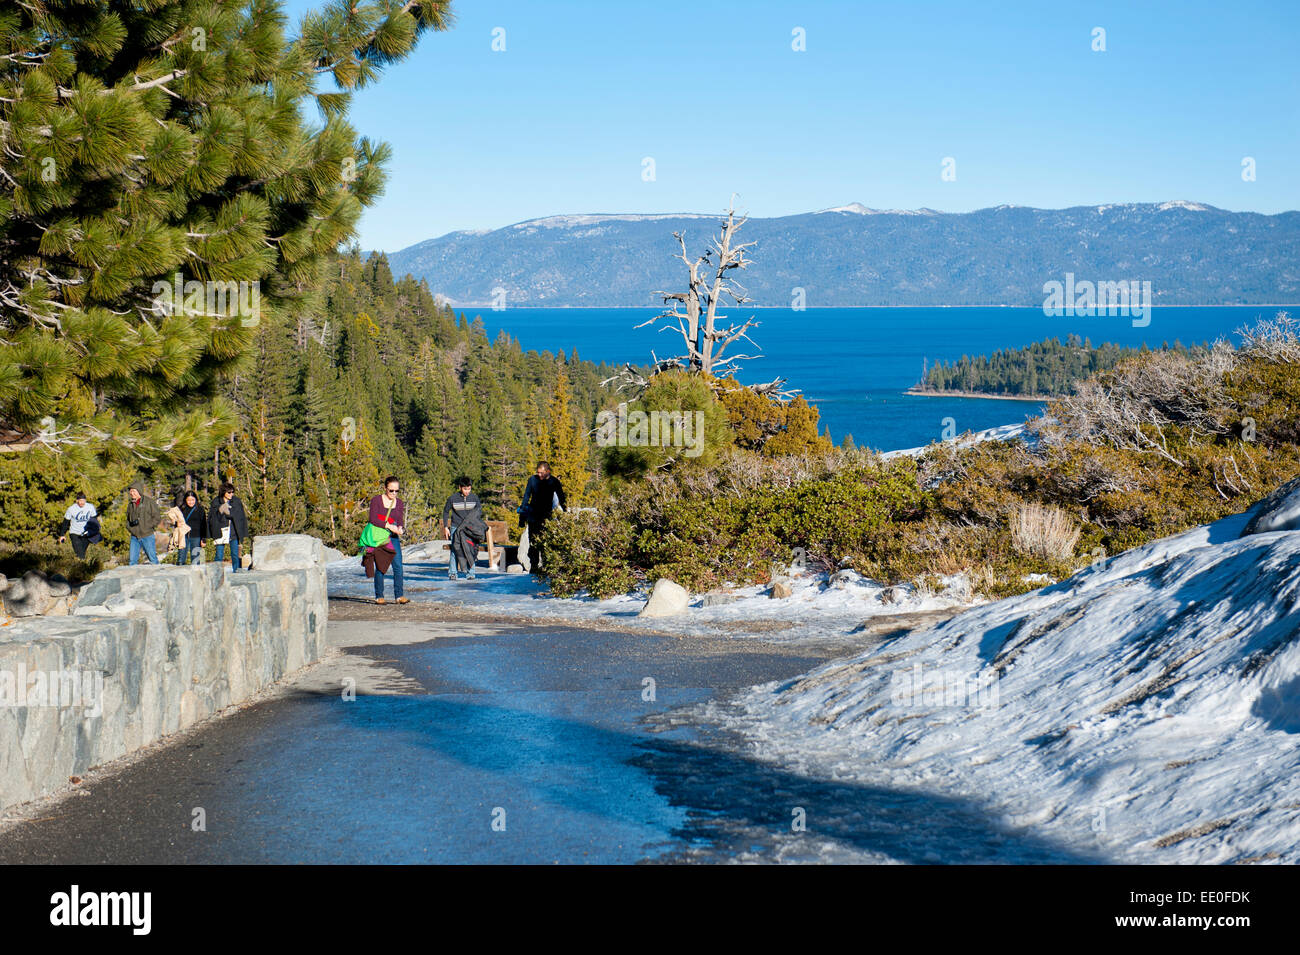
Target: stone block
667 599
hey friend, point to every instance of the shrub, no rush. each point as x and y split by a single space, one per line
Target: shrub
768 426
1264 401
587 551
1044 531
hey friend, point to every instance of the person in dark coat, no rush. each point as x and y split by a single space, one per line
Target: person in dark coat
228 524
541 495
197 518
142 519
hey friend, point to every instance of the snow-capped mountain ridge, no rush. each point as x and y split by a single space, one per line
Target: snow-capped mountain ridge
570 220
858 208
854 255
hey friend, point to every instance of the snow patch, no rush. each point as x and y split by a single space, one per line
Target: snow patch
567 222
1004 432
1279 511
1143 710
816 610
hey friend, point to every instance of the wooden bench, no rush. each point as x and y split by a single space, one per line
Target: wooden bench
508 552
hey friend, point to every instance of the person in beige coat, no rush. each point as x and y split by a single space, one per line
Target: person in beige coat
179 529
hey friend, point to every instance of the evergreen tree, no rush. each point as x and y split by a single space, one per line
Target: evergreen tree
564 443
153 144
266 475
352 478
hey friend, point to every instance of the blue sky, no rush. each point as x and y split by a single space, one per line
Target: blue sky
561 121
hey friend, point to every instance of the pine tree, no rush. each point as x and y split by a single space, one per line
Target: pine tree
563 442
266 475
148 145
352 477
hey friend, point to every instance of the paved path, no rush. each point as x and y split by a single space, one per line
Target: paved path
486 742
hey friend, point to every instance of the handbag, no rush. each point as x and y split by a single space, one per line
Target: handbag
372 536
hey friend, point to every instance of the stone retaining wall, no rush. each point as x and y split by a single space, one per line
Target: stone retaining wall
148 651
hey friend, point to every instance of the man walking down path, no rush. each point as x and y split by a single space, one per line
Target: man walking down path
142 519
388 512
228 524
81 523
464 526
542 493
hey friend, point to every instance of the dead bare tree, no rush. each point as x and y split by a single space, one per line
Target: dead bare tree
1130 407
693 315
630 376
694 312
1276 340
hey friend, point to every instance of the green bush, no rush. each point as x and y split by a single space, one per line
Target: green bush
587 552
949 512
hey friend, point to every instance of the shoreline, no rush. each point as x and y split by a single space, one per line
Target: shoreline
786 308
977 394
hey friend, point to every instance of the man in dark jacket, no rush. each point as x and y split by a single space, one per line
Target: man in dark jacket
142 519
541 495
228 524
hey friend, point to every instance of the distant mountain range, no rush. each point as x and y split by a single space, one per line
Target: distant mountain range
1192 254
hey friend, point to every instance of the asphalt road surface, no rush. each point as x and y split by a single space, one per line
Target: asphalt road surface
484 742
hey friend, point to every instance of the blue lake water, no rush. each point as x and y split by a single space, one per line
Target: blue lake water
855 363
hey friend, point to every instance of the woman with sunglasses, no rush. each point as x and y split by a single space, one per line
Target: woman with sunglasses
388 512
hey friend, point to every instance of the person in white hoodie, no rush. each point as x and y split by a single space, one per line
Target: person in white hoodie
81 523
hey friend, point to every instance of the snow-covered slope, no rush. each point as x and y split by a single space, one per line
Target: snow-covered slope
1144 710
1004 432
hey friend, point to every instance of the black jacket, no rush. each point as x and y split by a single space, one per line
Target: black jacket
538 499
198 521
217 521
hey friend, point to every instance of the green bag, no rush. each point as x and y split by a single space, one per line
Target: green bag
372 536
